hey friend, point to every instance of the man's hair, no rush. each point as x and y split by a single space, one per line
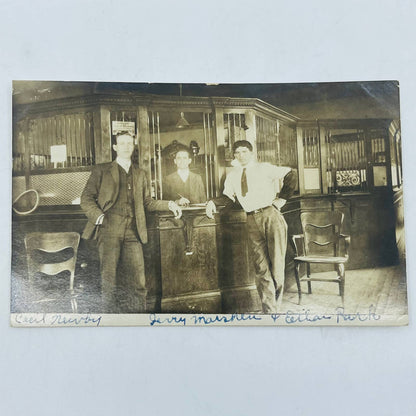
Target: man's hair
123 133
184 150
242 143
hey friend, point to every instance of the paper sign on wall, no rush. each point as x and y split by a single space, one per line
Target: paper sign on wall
58 153
119 126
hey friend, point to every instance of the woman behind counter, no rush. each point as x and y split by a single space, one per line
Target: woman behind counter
184 186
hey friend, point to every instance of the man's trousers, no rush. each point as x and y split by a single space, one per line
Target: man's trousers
123 282
267 233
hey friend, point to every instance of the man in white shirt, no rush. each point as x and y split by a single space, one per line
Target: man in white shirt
114 200
255 185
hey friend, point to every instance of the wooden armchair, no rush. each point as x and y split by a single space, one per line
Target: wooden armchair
321 242
44 255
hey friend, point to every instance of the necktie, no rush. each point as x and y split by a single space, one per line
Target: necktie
244 185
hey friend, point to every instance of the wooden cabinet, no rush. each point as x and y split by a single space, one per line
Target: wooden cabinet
189 263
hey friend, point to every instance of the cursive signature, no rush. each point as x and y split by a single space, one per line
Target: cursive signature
300 317
57 319
235 317
371 315
162 320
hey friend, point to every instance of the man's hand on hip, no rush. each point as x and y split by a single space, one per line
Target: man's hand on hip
279 203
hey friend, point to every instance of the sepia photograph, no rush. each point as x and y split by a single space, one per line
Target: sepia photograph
207 204
207 208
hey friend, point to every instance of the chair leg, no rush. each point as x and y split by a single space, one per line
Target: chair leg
297 268
74 304
341 274
71 281
308 273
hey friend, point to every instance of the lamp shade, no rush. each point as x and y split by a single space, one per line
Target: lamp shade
182 122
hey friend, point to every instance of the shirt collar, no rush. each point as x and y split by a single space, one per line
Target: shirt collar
125 164
238 165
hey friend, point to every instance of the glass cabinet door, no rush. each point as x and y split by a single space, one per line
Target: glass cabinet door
347 161
171 131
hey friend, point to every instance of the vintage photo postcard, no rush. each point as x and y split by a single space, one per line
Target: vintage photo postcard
207 204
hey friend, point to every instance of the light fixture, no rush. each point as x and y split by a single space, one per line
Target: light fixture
182 122
194 147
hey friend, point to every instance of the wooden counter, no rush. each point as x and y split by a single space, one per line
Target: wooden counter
189 263
204 263
198 265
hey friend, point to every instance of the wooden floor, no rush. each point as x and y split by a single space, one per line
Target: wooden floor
383 290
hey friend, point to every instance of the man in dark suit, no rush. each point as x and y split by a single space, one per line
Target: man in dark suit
114 200
184 186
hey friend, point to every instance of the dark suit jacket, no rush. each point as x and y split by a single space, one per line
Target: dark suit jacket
101 192
193 189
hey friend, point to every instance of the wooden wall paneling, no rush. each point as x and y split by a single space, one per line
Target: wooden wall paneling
40 134
251 132
219 141
50 131
86 134
106 134
28 126
144 140
213 155
70 140
81 138
102 134
370 163
60 137
74 139
388 158
96 119
301 163
323 159
91 136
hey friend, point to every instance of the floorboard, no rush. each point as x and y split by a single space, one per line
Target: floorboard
384 290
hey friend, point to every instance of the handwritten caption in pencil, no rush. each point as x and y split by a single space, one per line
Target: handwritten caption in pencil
44 319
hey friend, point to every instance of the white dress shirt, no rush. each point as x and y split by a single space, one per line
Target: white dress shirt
264 182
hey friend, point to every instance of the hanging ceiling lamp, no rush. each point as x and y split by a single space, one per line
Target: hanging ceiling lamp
182 122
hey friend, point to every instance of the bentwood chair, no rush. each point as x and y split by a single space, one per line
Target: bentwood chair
51 254
321 243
